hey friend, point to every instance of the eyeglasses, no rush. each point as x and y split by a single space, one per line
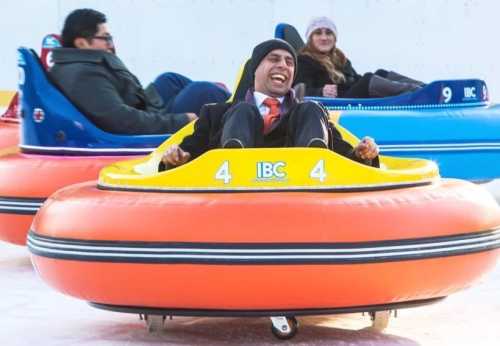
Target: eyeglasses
108 38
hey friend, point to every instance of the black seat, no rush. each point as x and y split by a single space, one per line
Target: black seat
288 33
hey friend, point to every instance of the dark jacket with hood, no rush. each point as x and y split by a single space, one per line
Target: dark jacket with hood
315 76
100 85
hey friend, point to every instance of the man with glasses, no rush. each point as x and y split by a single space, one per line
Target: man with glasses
90 74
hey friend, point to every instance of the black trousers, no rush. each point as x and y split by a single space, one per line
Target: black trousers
360 88
296 128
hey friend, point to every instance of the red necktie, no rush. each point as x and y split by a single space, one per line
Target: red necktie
273 115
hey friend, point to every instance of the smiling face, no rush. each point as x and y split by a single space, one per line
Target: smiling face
274 75
323 40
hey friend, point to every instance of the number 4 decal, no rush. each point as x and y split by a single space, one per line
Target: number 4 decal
223 173
318 171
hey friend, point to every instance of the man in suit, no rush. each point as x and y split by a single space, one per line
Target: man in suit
269 116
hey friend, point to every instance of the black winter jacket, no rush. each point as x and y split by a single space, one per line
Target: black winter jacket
315 76
100 85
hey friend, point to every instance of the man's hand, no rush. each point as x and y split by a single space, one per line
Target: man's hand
367 149
175 156
330 90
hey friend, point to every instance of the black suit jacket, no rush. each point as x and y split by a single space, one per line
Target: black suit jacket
208 130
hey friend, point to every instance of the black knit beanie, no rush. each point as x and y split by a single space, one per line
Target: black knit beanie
262 49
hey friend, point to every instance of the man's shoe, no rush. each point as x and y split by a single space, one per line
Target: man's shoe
233 143
317 143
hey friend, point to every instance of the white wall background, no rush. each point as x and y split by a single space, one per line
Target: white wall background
209 39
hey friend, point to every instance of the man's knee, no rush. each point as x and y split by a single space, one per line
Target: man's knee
210 90
310 109
171 77
245 108
242 113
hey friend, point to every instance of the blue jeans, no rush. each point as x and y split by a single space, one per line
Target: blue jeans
182 95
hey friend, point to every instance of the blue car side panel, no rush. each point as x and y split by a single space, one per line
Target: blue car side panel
50 120
438 94
465 142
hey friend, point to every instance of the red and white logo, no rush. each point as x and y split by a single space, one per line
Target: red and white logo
38 115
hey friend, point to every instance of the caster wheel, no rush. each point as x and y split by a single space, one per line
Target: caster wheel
380 319
284 328
154 323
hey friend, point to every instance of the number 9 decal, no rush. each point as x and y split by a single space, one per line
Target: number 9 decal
447 94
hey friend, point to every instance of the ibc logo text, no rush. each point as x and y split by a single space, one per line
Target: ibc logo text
271 170
470 92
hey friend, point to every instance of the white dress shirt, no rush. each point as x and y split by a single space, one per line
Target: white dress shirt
259 102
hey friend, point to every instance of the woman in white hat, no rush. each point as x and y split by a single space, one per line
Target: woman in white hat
326 71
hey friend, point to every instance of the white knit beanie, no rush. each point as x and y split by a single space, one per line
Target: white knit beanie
321 22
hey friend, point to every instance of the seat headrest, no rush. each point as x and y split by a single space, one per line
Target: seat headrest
288 33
